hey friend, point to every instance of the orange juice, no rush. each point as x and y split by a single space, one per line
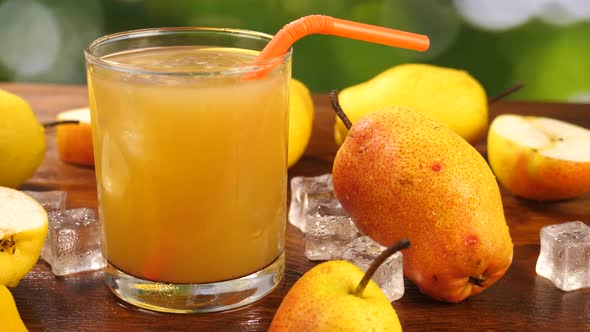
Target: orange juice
191 169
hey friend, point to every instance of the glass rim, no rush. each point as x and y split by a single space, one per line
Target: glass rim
91 58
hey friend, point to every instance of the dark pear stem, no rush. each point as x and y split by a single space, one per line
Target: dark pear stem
402 244
57 123
506 93
338 109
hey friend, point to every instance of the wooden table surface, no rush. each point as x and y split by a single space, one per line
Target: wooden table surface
520 301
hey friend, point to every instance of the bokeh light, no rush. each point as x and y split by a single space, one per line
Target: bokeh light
30 36
542 43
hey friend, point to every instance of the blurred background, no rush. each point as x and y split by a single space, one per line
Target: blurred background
542 43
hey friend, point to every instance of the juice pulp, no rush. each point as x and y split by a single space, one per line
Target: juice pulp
191 170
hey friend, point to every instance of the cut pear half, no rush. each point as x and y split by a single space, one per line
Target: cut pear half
550 137
74 141
23 229
79 114
540 158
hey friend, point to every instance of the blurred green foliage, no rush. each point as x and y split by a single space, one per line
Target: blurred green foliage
43 40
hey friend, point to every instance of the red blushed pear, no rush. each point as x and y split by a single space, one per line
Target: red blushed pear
401 174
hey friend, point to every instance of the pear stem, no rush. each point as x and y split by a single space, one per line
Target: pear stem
506 93
402 244
338 109
57 123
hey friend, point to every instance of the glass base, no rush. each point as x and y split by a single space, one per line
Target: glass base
195 298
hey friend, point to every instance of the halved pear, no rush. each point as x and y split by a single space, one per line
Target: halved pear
23 229
74 141
540 158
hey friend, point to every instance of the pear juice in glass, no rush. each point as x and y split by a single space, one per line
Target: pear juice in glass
191 165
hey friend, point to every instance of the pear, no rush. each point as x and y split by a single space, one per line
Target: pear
74 139
22 140
540 158
23 228
9 318
301 114
338 296
450 96
401 174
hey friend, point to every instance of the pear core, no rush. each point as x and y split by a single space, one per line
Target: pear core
8 244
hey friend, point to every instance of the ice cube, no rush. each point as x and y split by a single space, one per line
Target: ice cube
73 242
310 195
327 235
54 200
389 276
565 255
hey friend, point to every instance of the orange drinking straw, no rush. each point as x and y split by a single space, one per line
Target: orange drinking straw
327 25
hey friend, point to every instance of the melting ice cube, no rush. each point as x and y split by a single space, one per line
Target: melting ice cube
327 235
54 200
565 255
73 242
308 194
389 276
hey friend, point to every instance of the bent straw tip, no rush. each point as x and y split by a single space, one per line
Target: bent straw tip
425 45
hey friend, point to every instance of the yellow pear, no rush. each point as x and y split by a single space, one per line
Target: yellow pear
23 228
9 318
338 296
400 174
301 114
22 140
450 96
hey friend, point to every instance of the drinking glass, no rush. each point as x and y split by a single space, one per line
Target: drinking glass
190 142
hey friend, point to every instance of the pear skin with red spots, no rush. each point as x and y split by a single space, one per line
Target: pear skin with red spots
400 174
